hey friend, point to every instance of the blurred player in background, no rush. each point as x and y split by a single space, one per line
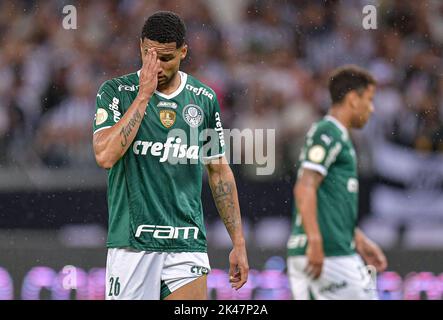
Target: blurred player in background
325 245
156 238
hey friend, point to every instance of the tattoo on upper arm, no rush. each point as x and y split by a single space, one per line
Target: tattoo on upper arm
126 130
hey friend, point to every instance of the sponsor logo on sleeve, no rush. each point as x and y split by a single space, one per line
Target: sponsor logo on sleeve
219 129
114 108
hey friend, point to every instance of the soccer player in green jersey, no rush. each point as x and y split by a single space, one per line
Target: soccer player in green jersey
325 247
143 134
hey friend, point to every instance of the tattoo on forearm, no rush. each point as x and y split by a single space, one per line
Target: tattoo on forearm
224 200
126 130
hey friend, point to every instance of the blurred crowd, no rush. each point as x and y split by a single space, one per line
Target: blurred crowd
269 69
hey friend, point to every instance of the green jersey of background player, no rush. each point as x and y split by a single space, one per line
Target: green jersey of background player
149 133
326 198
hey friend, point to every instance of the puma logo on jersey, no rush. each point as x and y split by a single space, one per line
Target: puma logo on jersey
166 232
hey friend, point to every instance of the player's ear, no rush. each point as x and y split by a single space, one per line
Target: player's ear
183 51
352 98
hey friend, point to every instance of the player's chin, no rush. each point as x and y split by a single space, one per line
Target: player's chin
162 81
362 123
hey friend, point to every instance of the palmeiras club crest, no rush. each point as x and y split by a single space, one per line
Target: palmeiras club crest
193 115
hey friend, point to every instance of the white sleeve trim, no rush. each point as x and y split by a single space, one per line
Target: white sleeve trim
100 129
316 167
214 157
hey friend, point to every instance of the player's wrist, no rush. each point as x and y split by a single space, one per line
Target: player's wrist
143 98
361 241
315 238
240 242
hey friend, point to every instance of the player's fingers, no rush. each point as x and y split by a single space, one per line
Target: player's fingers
243 277
244 273
157 68
316 272
237 285
152 63
310 271
145 59
307 269
147 65
313 270
240 277
235 278
232 270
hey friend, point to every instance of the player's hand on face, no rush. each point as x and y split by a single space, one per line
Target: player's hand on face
315 255
238 267
148 74
373 255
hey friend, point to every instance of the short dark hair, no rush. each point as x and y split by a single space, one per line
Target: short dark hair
164 27
346 79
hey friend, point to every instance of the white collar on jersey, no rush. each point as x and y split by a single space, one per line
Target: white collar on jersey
339 125
183 79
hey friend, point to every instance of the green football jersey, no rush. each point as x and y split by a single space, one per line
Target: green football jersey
328 150
154 190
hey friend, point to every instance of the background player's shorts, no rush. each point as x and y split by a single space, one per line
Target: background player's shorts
145 275
342 278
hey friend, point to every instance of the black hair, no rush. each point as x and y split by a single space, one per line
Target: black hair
164 27
346 79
